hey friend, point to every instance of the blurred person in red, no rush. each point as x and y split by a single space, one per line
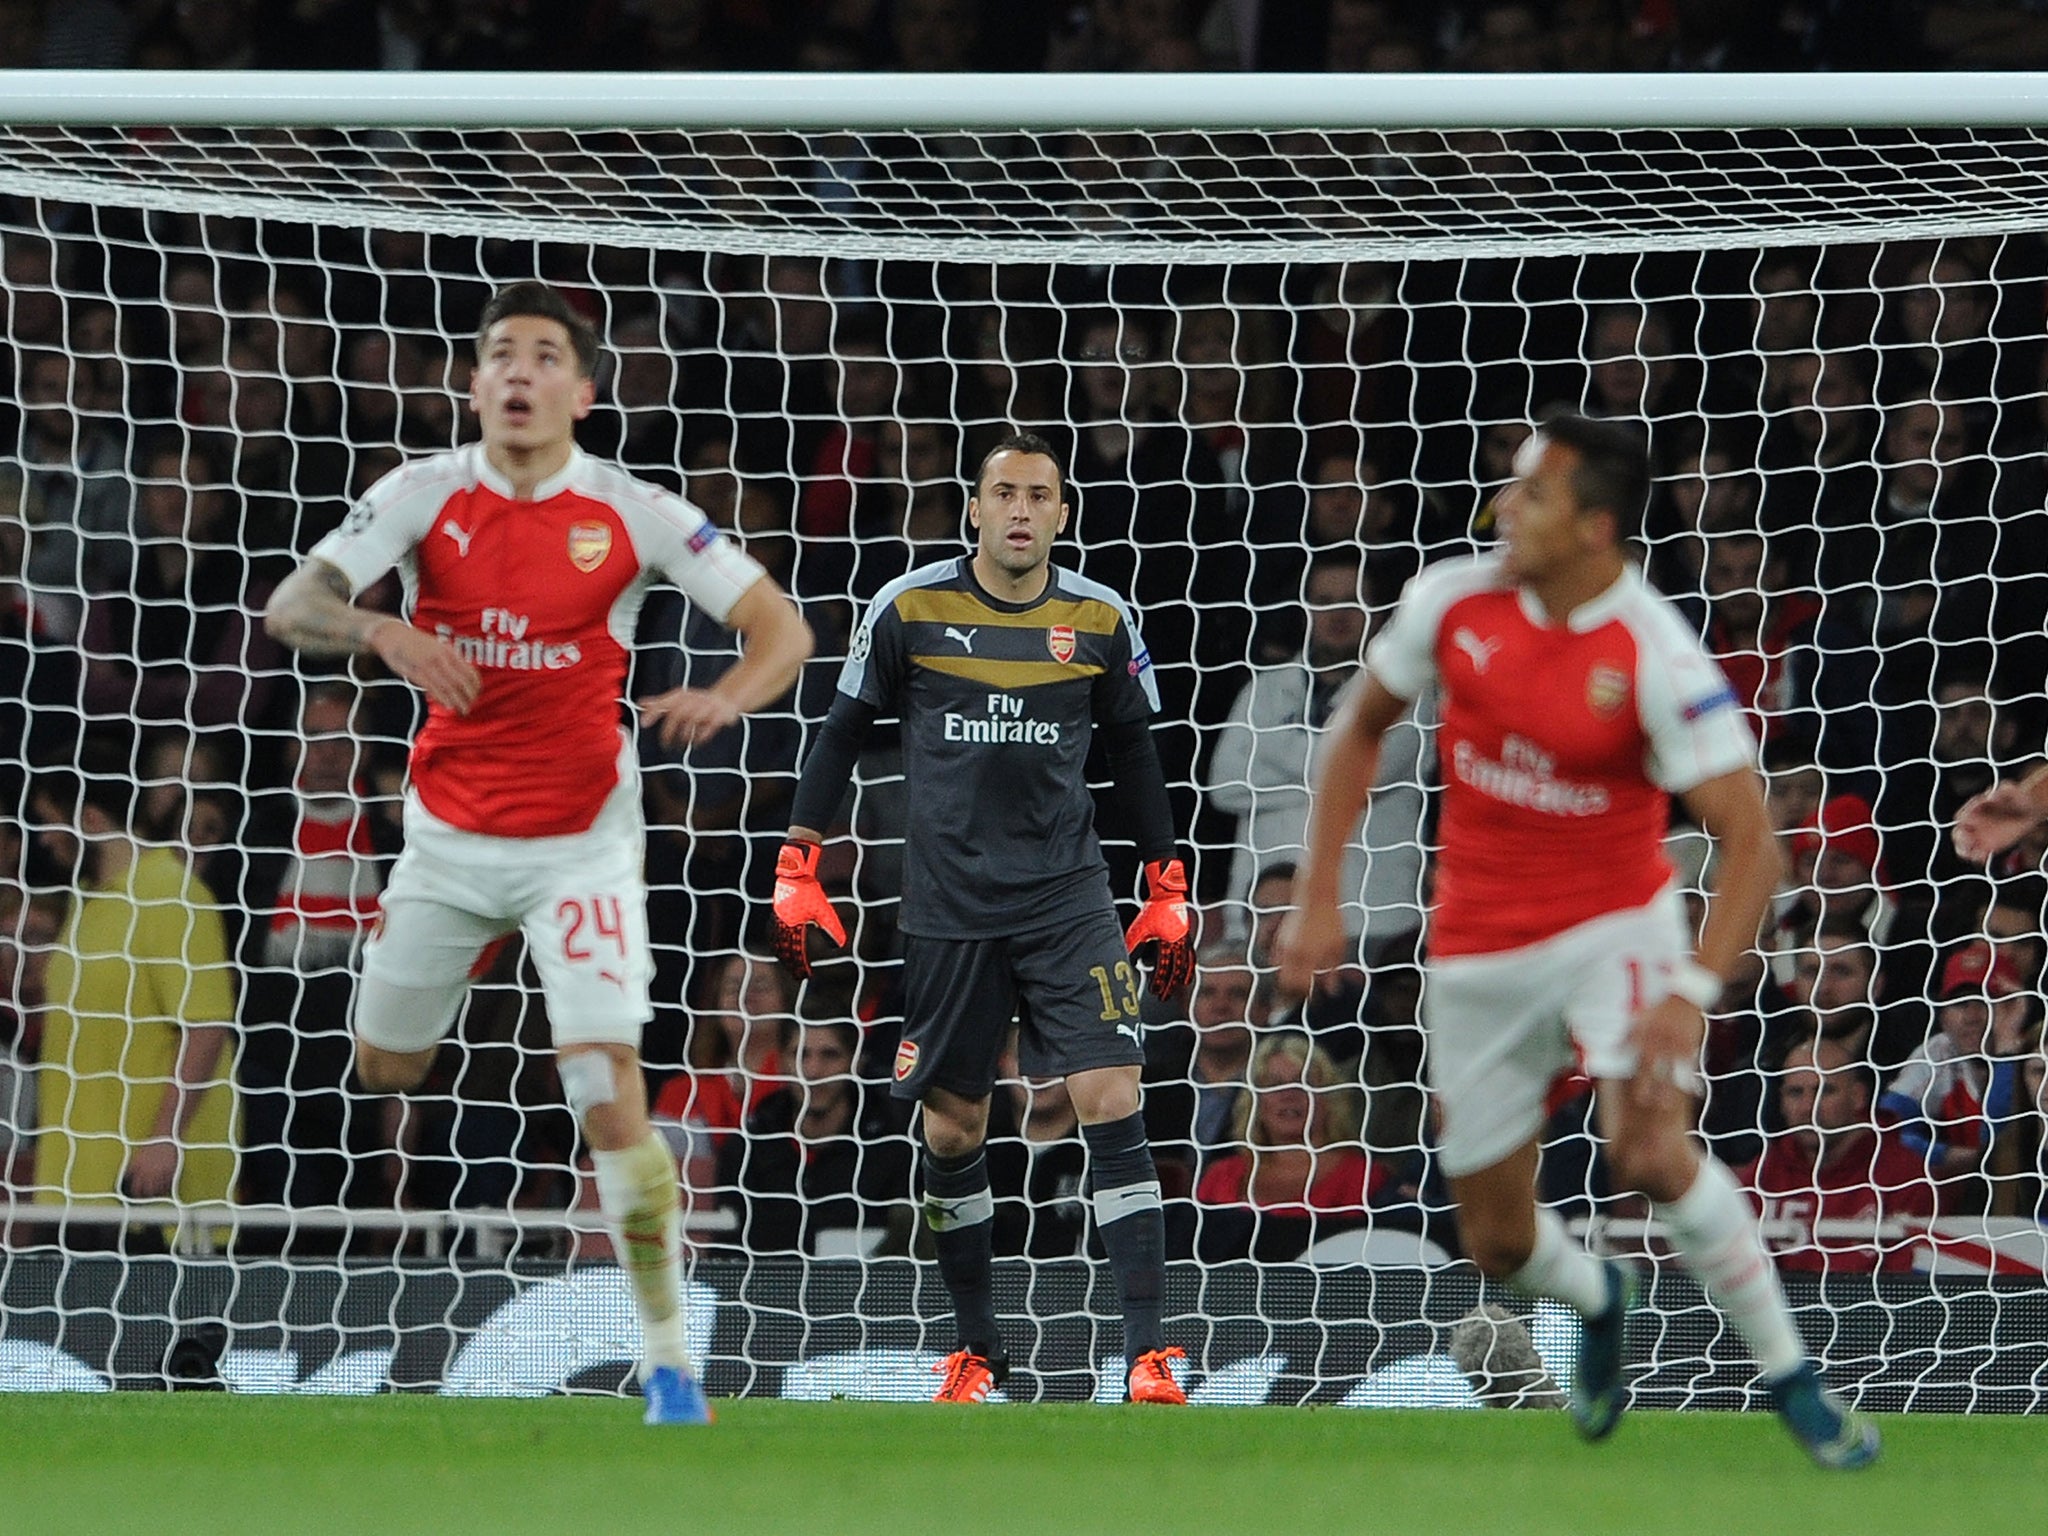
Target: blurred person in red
736 1059
1761 636
1294 1160
1195 1075
1834 1162
2018 1108
1833 881
318 851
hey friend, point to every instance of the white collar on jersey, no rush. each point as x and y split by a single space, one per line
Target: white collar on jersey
554 485
1589 615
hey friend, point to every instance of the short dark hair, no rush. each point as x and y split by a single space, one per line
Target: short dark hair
1855 1066
844 1030
530 297
68 791
1613 473
1022 442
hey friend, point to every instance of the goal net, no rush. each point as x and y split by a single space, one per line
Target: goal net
1287 358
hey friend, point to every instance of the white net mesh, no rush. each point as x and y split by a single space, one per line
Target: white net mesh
1286 370
1191 196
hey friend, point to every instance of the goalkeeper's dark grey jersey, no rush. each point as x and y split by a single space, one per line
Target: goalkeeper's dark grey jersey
998 703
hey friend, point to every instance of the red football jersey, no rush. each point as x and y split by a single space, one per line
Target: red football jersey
1877 1177
541 597
1560 746
1346 1180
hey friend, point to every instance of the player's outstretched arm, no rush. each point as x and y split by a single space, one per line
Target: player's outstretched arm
1992 822
1311 938
775 642
310 611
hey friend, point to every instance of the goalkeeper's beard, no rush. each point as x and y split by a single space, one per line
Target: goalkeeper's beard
1014 563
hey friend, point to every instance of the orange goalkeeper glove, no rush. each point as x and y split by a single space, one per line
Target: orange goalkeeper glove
1164 920
799 902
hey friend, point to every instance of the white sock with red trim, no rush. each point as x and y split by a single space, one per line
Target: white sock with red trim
637 1190
1714 1230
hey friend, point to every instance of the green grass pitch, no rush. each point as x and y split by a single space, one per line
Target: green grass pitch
148 1465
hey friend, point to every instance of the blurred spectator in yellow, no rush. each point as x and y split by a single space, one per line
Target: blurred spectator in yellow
135 1068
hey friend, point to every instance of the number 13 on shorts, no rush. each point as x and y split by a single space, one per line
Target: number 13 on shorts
1120 1002
1617 968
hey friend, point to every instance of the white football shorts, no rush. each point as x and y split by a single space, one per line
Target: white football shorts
580 899
1502 1027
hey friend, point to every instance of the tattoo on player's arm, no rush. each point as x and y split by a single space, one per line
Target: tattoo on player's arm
311 612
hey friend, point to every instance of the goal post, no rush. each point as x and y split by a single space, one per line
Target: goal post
1287 332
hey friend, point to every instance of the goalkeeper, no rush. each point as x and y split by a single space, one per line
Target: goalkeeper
1002 666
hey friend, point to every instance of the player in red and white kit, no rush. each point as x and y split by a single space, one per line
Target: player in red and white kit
1574 704
525 564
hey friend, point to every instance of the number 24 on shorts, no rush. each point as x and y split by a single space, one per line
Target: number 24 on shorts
605 916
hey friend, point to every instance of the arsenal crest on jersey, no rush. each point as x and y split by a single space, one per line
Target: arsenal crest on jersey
589 543
1060 641
1606 689
906 1059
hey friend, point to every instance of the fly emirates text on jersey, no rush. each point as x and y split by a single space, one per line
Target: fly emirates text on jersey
1004 722
503 643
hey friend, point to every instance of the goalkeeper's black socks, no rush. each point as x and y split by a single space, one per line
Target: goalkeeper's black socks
961 1213
1128 1213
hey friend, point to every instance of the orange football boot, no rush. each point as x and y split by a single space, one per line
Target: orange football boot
968 1378
1152 1380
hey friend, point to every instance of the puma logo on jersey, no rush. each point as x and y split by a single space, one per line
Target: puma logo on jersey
459 534
964 636
1481 651
1131 1029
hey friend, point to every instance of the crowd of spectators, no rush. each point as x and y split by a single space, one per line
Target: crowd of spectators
1848 507
1157 36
